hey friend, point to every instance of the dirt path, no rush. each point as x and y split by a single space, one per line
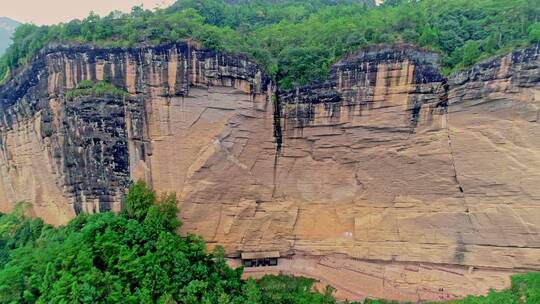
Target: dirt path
357 279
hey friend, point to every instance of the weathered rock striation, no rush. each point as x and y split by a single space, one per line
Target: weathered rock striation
416 167
68 156
386 161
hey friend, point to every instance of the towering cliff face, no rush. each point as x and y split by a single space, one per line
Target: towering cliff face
387 160
493 126
67 156
390 161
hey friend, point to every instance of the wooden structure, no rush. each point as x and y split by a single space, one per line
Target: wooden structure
262 258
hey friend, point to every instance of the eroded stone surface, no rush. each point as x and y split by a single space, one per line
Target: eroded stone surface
387 160
70 156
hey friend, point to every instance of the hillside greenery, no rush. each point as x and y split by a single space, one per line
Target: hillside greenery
97 89
137 256
524 288
297 40
132 257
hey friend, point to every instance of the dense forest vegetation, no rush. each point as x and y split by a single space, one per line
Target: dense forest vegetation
297 40
137 257
132 257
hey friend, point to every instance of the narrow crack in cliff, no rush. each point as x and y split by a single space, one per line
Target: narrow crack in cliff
444 101
278 135
456 178
278 138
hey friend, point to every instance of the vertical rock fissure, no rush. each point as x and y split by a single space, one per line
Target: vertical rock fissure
450 146
277 123
456 178
278 138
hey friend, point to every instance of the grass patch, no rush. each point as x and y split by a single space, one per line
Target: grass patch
97 89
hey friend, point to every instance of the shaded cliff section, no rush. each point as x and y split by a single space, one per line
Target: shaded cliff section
68 156
365 80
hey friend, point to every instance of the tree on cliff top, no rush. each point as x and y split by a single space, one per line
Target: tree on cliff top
297 40
138 200
534 33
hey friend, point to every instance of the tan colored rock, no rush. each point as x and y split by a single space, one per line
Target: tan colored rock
356 280
386 162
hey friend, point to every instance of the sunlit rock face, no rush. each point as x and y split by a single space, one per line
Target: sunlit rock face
391 161
387 160
71 156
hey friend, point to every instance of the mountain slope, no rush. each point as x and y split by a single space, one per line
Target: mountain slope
7 27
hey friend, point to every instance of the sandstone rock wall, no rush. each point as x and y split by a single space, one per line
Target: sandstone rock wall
493 127
404 165
68 156
387 160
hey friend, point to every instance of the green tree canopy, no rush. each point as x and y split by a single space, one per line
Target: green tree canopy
296 40
134 257
110 258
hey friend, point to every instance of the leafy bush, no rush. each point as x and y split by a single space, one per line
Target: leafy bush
97 89
284 289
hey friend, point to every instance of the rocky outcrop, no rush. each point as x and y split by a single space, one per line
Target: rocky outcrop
68 156
385 161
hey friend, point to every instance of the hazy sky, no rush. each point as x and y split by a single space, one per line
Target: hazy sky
55 11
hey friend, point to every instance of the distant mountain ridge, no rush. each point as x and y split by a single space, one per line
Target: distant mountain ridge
7 27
